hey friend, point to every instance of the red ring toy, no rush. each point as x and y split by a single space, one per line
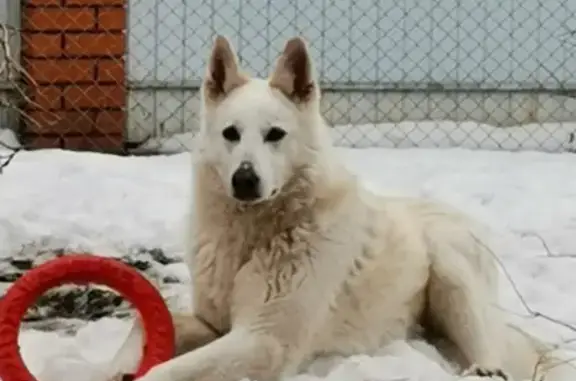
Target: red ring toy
82 269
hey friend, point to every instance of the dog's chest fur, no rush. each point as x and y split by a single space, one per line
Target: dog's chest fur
264 236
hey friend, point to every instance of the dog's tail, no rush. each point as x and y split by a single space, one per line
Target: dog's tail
537 360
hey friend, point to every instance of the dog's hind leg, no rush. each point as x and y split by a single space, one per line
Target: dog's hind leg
463 307
460 307
192 332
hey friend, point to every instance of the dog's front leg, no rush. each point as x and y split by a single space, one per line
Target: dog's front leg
278 310
191 332
238 354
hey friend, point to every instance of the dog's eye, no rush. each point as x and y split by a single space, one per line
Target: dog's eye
274 135
231 134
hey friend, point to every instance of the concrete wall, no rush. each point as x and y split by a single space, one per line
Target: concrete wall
492 51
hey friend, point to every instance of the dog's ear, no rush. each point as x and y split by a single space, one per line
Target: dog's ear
294 72
223 74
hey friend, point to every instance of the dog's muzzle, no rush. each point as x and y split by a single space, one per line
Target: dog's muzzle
246 183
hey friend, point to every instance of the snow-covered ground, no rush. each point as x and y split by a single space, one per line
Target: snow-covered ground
133 207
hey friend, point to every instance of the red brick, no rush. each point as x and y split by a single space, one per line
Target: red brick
60 122
94 142
95 2
40 142
95 44
54 19
61 70
42 45
110 122
111 19
93 96
74 115
43 2
111 71
45 97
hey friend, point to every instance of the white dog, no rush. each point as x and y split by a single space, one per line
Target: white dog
291 258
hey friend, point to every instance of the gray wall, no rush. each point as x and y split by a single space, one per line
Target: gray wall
503 60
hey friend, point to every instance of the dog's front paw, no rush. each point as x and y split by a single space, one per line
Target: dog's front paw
476 370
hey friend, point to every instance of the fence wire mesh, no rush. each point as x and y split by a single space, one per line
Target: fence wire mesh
124 75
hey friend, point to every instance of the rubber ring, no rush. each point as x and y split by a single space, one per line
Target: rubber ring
81 269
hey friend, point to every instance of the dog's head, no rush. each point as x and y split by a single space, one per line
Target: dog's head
257 132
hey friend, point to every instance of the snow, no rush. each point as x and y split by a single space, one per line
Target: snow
53 199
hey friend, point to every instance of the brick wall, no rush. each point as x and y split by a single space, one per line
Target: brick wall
74 52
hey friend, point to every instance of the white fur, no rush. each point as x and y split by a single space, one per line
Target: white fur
322 266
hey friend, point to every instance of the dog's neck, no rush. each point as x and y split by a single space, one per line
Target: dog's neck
291 204
296 204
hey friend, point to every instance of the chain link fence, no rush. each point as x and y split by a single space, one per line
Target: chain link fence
124 75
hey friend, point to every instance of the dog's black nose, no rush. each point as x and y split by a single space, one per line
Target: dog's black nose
246 183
